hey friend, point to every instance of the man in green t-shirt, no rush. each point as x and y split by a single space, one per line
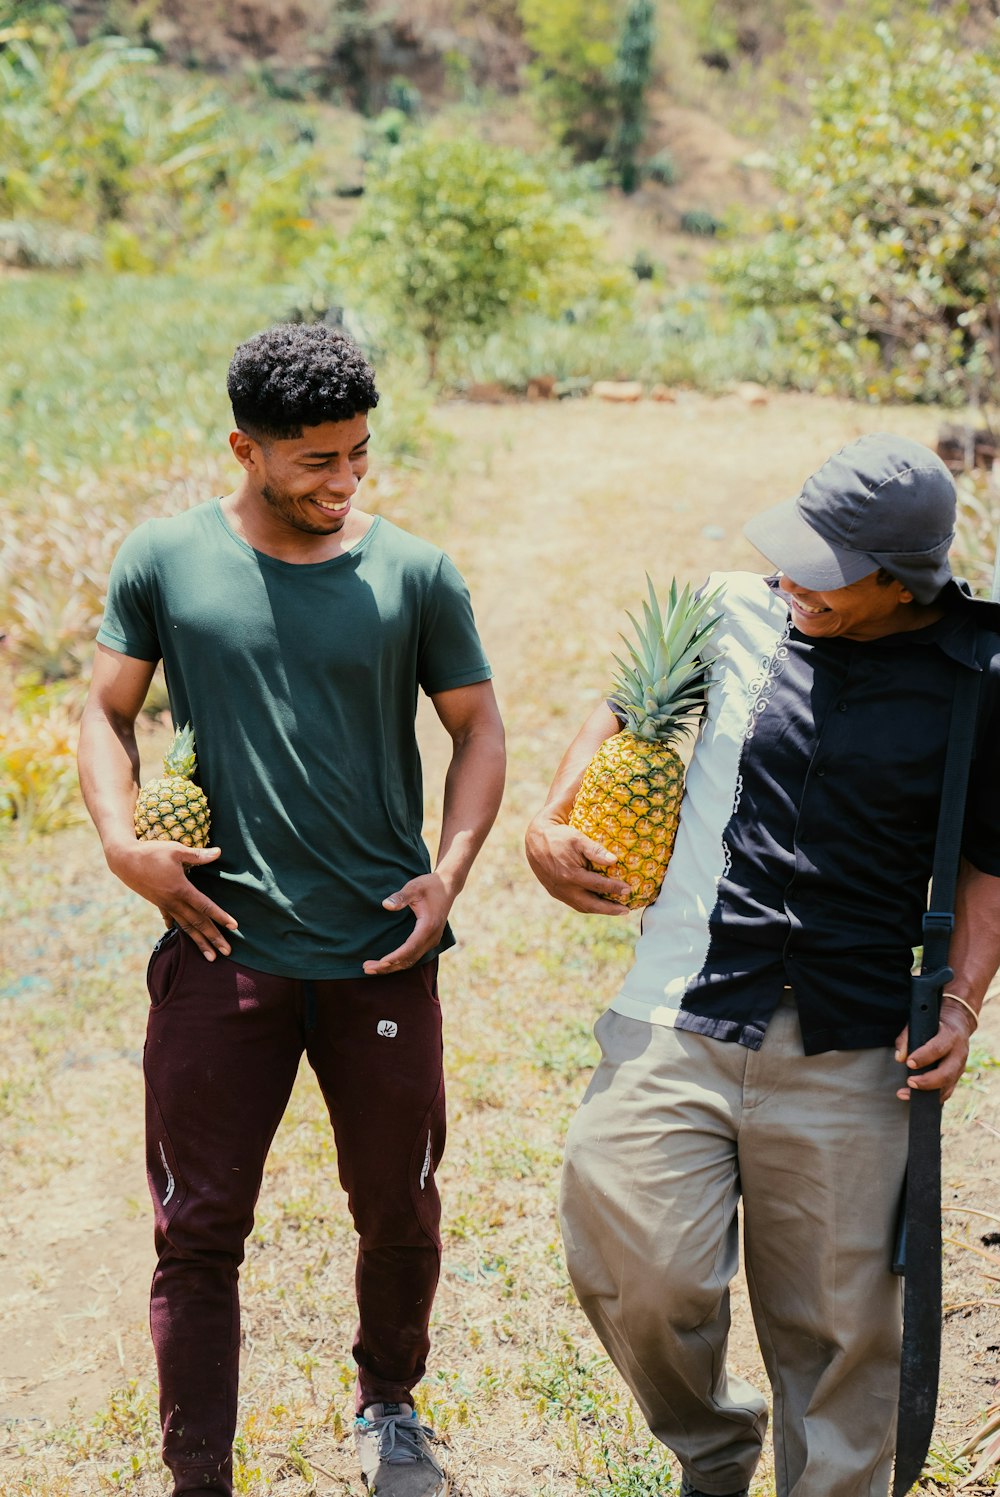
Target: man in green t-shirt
296 632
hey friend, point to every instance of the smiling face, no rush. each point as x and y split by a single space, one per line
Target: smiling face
306 484
868 609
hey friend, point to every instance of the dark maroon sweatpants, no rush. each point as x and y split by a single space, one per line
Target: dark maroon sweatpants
223 1045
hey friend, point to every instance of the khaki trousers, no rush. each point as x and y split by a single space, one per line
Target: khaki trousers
673 1130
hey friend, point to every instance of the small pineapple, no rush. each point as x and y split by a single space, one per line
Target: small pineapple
630 796
173 808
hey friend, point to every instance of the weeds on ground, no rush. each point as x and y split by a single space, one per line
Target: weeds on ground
581 1398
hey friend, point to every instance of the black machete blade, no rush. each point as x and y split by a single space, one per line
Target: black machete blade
921 1359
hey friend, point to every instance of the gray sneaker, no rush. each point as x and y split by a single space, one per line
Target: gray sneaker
395 1453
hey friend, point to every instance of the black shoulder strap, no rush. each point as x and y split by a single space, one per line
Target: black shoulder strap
939 919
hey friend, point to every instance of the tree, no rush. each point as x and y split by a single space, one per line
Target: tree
65 144
573 42
457 237
884 253
631 74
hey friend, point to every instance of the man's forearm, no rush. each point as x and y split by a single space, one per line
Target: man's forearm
108 763
472 794
974 957
974 954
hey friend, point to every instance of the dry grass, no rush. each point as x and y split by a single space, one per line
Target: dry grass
553 513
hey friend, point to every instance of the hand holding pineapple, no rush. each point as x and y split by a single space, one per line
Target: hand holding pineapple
564 859
622 789
171 821
173 808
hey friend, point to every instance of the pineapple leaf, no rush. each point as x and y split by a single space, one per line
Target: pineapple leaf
180 758
662 685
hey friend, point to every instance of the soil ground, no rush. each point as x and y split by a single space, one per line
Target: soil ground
553 512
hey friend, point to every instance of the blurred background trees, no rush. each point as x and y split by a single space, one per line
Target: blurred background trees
422 168
883 253
512 195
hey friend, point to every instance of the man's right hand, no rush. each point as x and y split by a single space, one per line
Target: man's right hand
158 871
559 856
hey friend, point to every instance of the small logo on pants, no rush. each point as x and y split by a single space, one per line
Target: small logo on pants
387 1029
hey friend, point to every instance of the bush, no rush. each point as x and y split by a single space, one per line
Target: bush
976 529
38 780
64 139
685 339
700 221
644 267
457 237
884 253
41 246
403 95
661 168
573 42
94 140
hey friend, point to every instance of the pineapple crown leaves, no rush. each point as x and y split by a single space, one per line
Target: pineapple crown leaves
666 683
179 759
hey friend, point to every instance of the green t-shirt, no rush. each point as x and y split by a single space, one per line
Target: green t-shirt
301 683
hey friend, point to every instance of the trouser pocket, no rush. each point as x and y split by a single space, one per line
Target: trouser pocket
166 962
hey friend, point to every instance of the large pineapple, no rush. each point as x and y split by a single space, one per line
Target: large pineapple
630 796
173 808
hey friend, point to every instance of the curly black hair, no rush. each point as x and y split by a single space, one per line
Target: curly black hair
295 375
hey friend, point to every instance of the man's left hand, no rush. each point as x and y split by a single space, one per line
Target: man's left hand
429 900
946 1054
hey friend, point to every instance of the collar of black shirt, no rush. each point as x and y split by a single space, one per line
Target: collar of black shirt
959 634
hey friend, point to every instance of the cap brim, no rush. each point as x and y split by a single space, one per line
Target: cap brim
801 553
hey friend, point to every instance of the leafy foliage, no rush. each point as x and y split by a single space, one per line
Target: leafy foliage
661 167
94 138
38 783
679 339
573 42
65 138
978 525
456 237
884 254
727 31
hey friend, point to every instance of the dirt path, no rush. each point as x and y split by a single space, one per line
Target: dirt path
553 512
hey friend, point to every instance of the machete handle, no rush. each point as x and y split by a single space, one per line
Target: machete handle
925 1005
925 1011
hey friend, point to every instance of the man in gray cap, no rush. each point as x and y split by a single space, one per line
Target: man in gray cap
757 1048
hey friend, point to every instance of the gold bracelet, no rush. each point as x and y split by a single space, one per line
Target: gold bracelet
967 1006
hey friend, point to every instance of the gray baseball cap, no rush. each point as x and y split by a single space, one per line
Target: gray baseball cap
882 501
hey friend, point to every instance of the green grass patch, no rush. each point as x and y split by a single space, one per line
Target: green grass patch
116 372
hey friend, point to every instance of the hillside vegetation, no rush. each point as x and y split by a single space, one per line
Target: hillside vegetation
506 223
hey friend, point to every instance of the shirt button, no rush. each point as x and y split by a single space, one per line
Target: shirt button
821 772
841 706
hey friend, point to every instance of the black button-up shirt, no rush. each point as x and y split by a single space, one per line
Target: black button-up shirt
832 842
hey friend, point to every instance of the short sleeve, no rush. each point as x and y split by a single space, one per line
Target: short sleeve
450 653
981 835
129 623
